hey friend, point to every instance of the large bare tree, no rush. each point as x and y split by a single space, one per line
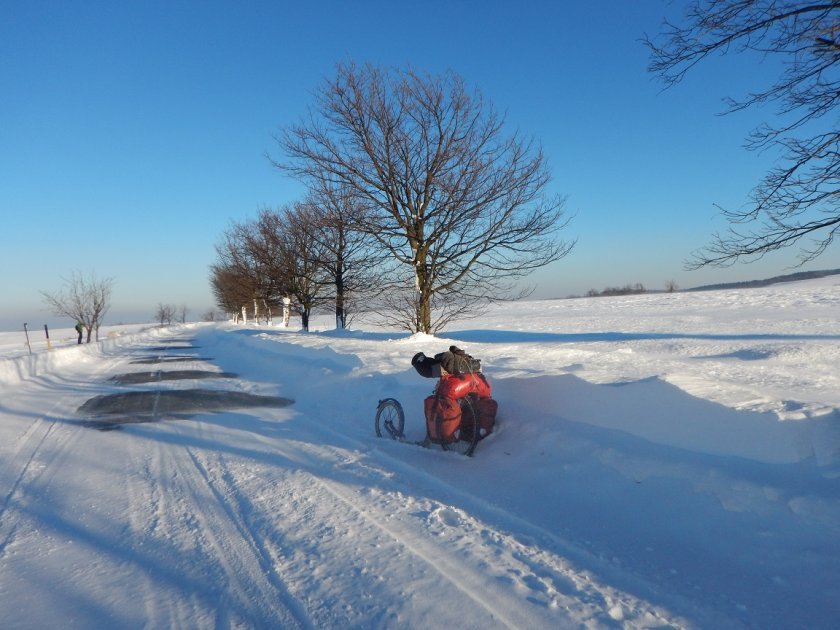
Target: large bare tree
460 207
798 198
84 299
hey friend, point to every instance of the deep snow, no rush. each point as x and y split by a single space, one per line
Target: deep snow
666 460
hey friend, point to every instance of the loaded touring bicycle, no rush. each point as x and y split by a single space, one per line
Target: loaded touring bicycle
460 411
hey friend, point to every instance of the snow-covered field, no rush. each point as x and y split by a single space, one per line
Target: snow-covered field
662 460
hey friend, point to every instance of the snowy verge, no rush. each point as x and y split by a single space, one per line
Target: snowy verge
664 414
42 361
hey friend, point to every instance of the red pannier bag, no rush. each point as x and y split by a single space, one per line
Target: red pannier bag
450 412
486 409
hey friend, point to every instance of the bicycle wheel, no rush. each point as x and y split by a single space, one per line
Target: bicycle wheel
468 430
390 419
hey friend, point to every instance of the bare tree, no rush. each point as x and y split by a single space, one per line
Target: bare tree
164 314
243 269
265 244
84 299
283 258
231 287
798 198
459 207
348 258
274 257
305 253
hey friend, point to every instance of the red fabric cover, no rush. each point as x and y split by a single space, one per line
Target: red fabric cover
450 412
455 386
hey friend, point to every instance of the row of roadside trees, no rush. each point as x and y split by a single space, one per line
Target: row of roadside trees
308 253
419 206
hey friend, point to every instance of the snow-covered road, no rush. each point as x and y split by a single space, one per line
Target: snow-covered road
251 520
613 494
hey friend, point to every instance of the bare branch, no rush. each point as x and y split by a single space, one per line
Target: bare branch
798 198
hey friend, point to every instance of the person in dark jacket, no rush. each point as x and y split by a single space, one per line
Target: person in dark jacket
460 376
427 367
79 328
453 361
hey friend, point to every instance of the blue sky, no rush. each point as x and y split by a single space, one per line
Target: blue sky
132 134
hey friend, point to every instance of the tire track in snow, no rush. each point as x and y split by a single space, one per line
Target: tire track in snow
551 589
153 515
250 591
175 489
456 573
196 571
327 528
21 463
456 545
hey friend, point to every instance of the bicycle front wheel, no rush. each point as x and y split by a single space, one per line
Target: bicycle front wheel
390 419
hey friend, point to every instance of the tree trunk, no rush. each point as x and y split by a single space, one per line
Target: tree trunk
340 315
424 310
423 305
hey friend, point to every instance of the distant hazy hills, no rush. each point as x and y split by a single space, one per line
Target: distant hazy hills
750 284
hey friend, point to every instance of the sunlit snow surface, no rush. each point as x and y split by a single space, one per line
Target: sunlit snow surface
667 460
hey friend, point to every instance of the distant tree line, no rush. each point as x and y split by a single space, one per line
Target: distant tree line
419 207
305 253
752 284
167 313
628 289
